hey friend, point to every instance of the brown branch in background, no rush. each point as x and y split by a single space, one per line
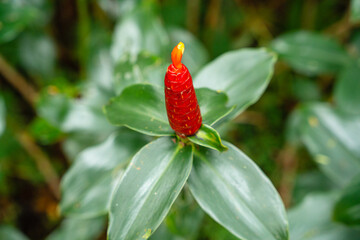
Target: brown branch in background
42 162
288 162
18 81
193 15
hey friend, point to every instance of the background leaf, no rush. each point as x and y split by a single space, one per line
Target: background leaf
243 75
2 115
347 208
150 185
79 229
355 11
347 90
10 233
208 137
236 194
88 184
311 220
329 136
139 30
310 53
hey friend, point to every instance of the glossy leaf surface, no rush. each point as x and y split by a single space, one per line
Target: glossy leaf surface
208 137
88 184
347 208
243 75
347 90
141 107
311 220
235 192
148 188
329 136
310 53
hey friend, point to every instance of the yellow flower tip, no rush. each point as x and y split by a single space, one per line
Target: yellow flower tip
177 54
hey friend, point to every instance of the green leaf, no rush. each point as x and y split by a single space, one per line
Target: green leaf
242 74
37 54
2 115
355 11
195 55
144 68
347 208
347 90
15 15
311 220
139 30
88 184
310 53
10 233
236 193
79 229
213 105
150 185
140 107
208 137
329 136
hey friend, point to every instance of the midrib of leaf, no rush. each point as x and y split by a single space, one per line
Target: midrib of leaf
231 190
136 215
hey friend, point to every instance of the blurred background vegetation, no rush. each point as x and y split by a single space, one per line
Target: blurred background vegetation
59 62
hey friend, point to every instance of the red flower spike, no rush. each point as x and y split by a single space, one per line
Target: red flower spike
182 107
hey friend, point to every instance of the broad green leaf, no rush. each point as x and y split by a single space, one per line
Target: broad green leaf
37 54
140 107
88 184
355 10
329 136
14 16
347 90
213 105
10 233
150 185
236 193
195 55
2 115
311 220
305 89
347 208
139 30
208 137
79 229
144 68
242 74
310 53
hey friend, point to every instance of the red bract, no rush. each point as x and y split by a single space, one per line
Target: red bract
182 107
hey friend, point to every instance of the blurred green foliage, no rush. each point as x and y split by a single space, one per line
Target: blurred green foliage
303 132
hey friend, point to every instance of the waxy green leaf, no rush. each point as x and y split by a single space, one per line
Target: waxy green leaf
310 53
347 208
141 107
87 186
355 11
150 185
235 192
347 90
213 105
329 136
243 75
311 220
208 137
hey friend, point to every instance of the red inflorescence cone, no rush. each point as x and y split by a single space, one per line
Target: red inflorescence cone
181 104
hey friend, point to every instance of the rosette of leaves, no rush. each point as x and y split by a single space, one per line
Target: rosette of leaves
224 181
